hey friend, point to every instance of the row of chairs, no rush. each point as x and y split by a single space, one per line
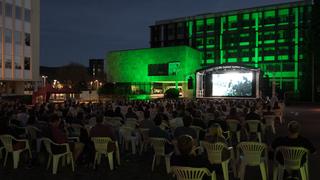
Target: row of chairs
100 143
248 154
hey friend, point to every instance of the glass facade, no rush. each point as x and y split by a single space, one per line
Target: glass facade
270 38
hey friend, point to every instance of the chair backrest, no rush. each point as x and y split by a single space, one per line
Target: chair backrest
233 124
101 143
214 151
189 173
126 132
198 130
47 144
292 156
32 132
269 119
158 145
145 134
131 122
252 151
252 126
7 142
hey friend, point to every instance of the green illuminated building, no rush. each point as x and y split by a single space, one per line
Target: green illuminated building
154 70
278 39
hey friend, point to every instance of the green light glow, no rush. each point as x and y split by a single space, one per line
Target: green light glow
296 48
244 43
132 65
256 49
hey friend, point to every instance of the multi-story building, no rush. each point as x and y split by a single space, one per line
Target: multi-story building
96 69
19 44
279 39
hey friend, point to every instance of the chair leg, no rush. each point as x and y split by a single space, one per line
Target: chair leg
95 160
242 171
263 171
281 172
55 164
238 136
5 159
141 148
153 162
167 160
133 145
16 158
110 158
49 161
225 170
72 162
99 158
118 154
303 173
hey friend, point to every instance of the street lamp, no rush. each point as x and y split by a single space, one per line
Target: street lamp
44 77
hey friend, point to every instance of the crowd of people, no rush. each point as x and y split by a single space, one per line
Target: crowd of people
173 120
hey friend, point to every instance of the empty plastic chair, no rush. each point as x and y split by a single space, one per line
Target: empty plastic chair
252 155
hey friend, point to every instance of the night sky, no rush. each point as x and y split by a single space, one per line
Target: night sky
77 30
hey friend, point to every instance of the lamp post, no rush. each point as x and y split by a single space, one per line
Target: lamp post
44 77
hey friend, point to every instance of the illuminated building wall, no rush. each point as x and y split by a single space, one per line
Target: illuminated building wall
272 38
19 45
147 68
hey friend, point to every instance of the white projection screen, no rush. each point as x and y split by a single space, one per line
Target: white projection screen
232 84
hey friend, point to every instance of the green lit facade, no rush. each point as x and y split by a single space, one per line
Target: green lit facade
275 39
153 70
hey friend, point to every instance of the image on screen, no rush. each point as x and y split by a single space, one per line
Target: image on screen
232 84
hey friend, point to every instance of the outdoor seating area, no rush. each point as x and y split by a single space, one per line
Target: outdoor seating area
231 144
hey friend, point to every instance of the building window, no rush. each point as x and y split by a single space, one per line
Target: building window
26 63
8 10
27 15
18 12
17 37
8 36
27 39
0 8
8 64
17 65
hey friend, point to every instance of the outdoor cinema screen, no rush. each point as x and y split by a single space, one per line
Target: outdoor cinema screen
232 84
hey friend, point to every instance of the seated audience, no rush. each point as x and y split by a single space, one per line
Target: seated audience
293 139
185 129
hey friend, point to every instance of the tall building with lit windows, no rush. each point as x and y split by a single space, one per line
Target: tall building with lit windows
279 39
19 42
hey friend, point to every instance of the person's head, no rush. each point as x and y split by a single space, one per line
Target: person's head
55 120
118 110
185 144
99 119
157 120
187 120
215 130
294 128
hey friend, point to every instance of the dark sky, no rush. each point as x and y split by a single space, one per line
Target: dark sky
77 30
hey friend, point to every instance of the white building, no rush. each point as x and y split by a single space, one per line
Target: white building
19 44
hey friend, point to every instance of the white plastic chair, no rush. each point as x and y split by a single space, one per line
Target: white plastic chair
214 153
292 161
233 125
279 114
145 141
56 157
198 130
269 119
7 141
191 173
129 135
158 145
101 148
252 126
253 156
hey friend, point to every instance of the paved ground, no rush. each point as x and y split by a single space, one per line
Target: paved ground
136 168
